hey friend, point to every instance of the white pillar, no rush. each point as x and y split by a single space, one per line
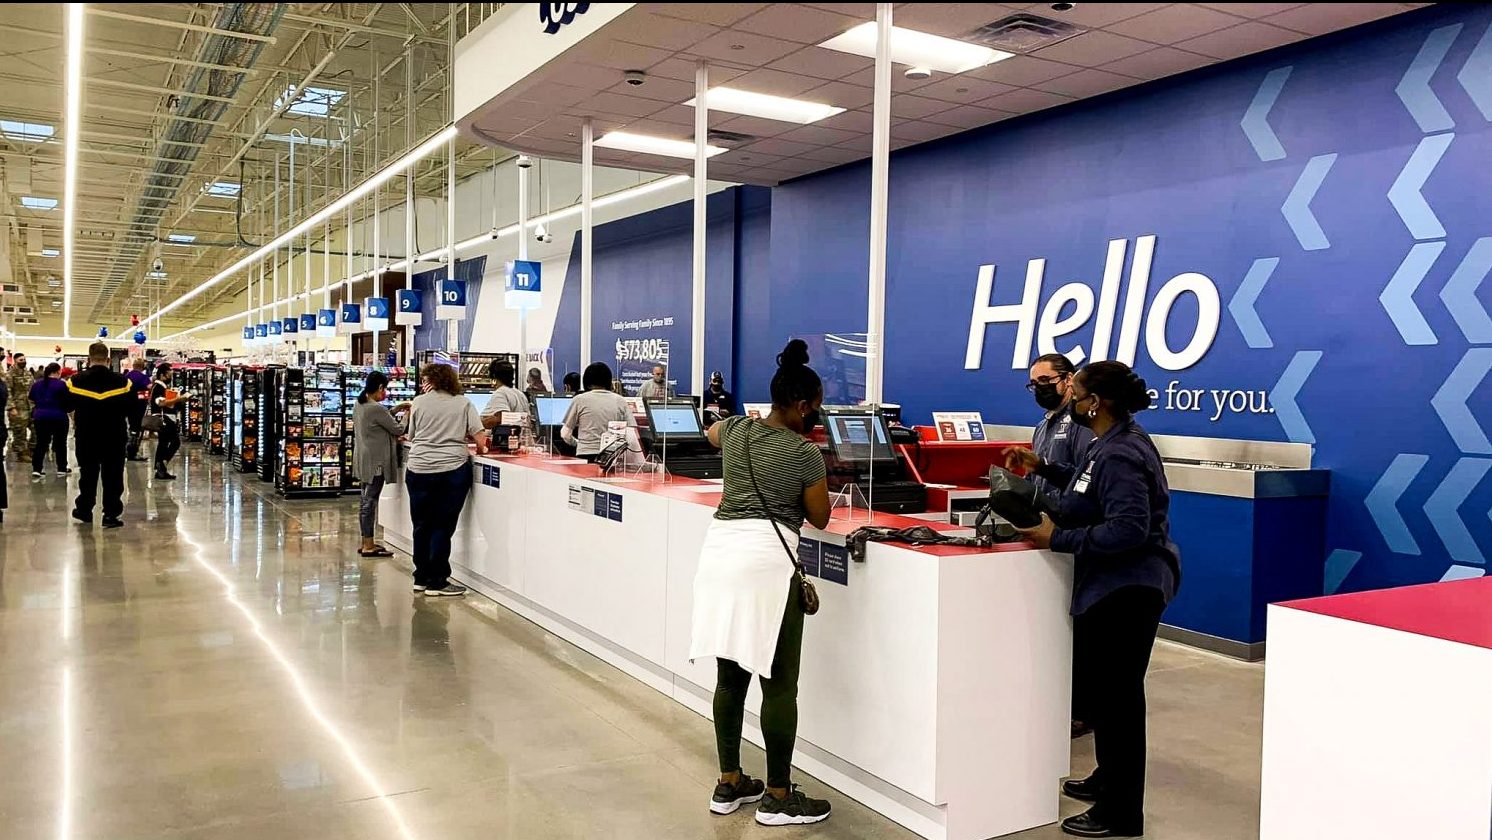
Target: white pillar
587 195
701 226
880 154
522 255
452 328
409 211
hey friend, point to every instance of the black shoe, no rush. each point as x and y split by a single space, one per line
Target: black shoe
1085 790
113 522
138 458
445 590
796 809
730 797
1087 825
162 475
83 516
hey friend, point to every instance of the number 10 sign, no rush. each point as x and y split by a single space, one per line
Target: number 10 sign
452 306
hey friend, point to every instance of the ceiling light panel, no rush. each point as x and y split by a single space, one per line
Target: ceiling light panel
766 106
918 49
648 144
33 202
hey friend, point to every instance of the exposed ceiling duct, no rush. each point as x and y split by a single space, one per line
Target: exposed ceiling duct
210 89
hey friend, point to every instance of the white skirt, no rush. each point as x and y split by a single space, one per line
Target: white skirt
740 591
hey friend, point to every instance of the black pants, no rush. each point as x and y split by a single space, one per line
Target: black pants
435 502
136 421
168 441
104 463
779 714
1111 652
51 433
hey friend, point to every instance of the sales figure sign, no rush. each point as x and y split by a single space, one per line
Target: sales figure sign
523 287
410 308
377 313
326 323
452 306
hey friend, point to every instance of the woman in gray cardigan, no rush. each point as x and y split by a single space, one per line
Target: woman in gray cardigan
375 455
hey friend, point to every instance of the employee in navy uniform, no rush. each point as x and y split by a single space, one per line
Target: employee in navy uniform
1057 440
1115 521
101 402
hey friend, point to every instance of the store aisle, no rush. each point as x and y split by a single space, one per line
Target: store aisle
225 666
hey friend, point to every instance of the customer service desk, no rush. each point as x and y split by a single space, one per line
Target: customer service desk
935 681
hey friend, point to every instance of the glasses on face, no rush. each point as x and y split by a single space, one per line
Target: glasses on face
1045 380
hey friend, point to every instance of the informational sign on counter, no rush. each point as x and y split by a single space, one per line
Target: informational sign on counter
959 425
824 560
492 476
600 503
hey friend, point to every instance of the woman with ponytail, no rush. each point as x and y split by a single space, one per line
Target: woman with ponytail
375 455
1114 516
748 601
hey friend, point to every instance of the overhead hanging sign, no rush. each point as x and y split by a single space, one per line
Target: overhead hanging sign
275 328
308 323
351 320
377 315
326 323
291 326
452 305
261 332
248 334
524 284
409 313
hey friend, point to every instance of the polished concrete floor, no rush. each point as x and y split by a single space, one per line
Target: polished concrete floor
226 667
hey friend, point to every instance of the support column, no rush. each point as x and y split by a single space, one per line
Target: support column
522 255
701 227
880 154
587 196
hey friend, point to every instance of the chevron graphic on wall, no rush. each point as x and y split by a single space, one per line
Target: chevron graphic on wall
1414 89
1255 121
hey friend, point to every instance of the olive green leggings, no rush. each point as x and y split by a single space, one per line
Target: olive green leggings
779 716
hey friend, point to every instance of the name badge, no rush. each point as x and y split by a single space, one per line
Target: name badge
1081 485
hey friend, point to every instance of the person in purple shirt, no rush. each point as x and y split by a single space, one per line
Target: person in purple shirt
49 419
141 382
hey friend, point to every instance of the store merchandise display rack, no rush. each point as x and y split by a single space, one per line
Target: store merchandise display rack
403 387
217 410
243 414
313 446
267 451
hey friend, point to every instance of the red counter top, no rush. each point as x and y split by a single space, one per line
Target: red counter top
841 521
1456 611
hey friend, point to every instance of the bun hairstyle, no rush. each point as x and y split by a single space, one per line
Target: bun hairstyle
1117 383
795 381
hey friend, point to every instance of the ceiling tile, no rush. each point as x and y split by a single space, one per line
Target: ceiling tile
755 126
621 103
1158 63
863 11
831 155
655 88
818 135
841 95
1092 49
587 77
676 115
1087 83
743 47
856 121
899 81
744 156
791 22
620 55
682 69
1175 22
1093 15
641 26
1243 39
967 116
718 14
951 19
963 89
859 143
778 147
1321 18
557 95
1024 101
1250 10
909 107
775 82
921 132
1023 71
821 63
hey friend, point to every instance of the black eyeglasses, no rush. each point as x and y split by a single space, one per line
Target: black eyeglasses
1045 380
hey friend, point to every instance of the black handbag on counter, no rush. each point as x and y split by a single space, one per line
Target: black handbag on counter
1014 499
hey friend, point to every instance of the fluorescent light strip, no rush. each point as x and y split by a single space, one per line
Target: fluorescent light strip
766 106
72 127
918 49
434 256
648 144
414 156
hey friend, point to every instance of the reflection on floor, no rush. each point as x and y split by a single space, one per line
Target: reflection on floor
225 667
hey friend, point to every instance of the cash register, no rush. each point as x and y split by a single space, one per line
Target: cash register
675 434
860 453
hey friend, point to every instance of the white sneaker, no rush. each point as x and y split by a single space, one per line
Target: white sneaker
36 474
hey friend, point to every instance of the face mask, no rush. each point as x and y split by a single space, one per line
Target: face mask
1080 418
1048 397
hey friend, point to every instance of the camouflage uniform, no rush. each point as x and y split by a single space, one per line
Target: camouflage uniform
18 380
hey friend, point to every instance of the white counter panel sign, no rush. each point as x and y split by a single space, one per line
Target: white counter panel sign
596 502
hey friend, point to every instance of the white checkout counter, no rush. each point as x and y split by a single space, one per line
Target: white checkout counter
935 681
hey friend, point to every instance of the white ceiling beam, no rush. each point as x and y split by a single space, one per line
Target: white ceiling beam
176 24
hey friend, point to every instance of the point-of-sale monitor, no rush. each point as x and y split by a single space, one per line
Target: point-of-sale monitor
674 419
859 436
551 410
